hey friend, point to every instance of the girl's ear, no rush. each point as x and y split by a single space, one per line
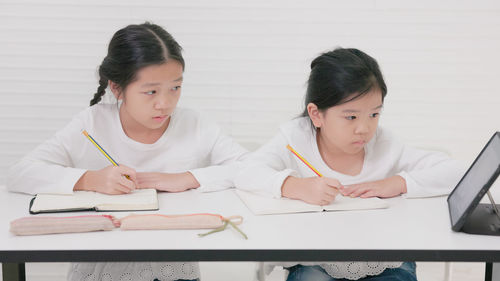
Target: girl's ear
115 89
315 115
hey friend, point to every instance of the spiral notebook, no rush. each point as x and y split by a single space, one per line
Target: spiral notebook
137 200
261 205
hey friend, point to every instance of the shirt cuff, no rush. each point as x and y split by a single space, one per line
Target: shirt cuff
72 175
278 180
209 180
414 190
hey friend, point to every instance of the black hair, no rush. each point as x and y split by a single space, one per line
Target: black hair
132 48
340 76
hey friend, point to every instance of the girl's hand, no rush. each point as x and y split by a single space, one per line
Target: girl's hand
389 187
314 190
110 180
167 182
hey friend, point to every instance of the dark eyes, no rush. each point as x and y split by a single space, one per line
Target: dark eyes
150 93
353 117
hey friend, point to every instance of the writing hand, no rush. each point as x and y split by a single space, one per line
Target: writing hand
314 190
109 180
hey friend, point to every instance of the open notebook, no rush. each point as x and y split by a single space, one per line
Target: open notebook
138 200
261 205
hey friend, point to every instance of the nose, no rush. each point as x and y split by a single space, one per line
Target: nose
162 101
362 128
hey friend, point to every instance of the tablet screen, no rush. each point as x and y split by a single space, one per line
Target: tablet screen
481 174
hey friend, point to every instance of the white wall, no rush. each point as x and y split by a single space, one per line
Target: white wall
247 63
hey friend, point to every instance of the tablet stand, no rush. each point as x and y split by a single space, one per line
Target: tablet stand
485 219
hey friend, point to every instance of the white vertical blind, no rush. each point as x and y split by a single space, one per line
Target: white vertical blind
247 63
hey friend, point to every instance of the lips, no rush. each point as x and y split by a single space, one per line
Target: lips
160 118
361 142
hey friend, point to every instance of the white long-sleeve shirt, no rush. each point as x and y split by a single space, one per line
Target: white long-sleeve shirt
190 143
427 173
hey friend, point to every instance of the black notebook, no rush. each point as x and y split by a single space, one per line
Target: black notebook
138 200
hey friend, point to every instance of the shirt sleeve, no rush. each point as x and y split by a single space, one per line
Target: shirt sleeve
224 154
265 170
48 168
428 173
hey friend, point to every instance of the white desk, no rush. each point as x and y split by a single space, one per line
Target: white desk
411 229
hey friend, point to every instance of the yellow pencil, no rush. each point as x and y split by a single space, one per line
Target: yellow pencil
92 140
303 160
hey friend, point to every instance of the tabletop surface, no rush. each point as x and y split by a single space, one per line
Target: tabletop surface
410 229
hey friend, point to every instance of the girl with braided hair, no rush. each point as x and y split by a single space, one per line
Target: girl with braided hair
157 144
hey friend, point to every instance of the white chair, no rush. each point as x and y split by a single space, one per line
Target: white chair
447 271
260 275
276 275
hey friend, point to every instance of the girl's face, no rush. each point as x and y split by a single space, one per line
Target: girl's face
346 128
149 101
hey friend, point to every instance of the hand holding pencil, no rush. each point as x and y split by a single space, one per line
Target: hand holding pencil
113 179
314 190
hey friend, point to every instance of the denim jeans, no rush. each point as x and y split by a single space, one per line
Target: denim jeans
181 280
406 272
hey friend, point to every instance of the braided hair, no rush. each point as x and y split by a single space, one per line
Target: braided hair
131 49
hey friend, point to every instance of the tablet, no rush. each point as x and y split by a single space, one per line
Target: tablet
475 183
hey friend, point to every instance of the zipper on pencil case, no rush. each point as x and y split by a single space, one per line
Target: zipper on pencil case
186 215
73 217
116 222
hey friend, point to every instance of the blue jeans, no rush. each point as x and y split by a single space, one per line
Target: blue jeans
406 272
181 280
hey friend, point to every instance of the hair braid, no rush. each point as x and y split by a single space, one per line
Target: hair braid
131 49
101 90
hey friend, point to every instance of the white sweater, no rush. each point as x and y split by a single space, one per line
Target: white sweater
190 143
426 173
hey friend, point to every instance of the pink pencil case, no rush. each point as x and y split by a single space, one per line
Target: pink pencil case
187 221
52 225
